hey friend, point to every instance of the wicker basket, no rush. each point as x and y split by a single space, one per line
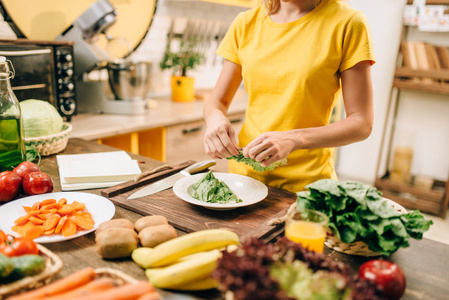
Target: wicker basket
51 144
357 247
52 266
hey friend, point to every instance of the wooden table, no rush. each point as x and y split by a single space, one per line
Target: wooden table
425 262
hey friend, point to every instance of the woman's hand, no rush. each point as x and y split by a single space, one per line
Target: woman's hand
219 140
270 147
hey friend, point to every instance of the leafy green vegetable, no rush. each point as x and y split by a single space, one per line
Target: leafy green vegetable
40 118
359 212
210 189
12 159
255 164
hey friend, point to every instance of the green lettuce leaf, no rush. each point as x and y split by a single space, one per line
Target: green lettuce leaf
210 189
255 164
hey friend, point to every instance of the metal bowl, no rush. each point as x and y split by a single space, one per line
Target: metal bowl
129 80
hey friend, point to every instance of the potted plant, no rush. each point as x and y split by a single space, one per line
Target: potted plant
186 58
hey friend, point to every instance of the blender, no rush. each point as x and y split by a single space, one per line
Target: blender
128 82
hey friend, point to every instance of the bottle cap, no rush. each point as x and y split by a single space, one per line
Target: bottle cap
2 59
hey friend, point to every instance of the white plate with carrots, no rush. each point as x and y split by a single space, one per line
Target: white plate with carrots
55 217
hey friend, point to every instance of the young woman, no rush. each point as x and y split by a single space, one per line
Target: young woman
295 57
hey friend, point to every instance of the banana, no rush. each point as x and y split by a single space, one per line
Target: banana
172 250
140 256
185 272
203 284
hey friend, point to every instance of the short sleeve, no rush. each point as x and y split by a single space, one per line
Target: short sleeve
229 46
357 43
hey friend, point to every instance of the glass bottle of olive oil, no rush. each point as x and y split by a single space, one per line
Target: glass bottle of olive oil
12 148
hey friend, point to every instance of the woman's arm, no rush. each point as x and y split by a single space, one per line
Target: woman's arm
358 100
219 140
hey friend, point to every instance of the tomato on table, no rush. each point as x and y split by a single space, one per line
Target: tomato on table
17 246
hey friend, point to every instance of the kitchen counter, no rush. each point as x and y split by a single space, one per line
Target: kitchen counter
425 262
90 126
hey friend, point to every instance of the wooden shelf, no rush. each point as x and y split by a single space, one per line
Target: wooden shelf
403 80
429 201
432 2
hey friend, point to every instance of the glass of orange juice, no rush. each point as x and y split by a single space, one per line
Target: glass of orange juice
308 228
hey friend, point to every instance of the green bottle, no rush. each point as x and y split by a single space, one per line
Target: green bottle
12 148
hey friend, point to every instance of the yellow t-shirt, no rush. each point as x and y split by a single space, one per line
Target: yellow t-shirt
291 73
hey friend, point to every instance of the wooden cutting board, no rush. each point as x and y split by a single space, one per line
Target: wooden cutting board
250 221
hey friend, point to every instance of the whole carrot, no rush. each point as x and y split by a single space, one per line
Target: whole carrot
95 286
62 285
124 292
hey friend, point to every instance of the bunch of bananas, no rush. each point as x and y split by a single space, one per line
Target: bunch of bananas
186 262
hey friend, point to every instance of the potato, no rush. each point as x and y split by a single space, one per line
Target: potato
149 221
116 242
154 235
115 223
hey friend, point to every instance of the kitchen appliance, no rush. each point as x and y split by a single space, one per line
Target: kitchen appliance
44 71
170 181
91 60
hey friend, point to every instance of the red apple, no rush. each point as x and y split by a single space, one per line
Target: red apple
10 184
388 276
24 168
36 183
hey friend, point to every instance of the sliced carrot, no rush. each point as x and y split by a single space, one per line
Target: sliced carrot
67 209
78 205
46 216
87 289
50 206
25 228
27 208
22 220
51 222
83 222
16 228
125 291
47 202
87 214
35 206
69 228
62 285
36 220
34 232
62 201
49 232
38 212
60 224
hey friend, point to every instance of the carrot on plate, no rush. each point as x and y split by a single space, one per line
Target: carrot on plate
60 224
47 202
22 220
62 201
69 228
51 222
33 232
83 222
36 220
62 285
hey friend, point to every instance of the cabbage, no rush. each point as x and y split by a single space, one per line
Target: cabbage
40 118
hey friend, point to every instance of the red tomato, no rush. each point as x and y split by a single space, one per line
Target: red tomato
36 183
16 246
3 237
25 168
388 276
10 184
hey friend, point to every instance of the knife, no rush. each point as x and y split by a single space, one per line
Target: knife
170 181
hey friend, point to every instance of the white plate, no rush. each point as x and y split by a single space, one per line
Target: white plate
246 188
100 207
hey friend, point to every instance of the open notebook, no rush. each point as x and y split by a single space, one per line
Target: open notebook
95 170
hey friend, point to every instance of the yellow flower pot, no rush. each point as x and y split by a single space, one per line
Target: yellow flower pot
183 88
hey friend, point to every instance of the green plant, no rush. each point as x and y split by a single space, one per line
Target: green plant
186 58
